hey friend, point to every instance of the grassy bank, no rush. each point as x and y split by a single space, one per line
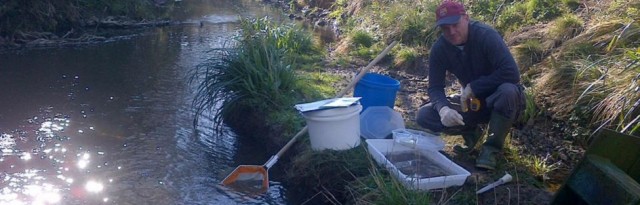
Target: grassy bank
578 60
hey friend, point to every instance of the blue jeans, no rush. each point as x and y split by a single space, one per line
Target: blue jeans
508 100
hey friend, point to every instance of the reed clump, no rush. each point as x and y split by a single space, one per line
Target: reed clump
255 78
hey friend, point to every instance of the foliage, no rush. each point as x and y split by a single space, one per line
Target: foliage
540 166
362 38
487 10
296 43
566 27
339 10
256 73
405 56
513 17
367 53
531 110
410 22
525 13
318 85
571 4
528 53
62 16
380 188
327 172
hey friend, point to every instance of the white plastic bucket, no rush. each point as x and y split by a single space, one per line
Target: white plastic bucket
336 128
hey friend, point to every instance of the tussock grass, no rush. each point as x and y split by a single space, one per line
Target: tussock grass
528 53
254 77
526 13
405 57
531 110
602 63
555 89
411 22
530 169
566 27
571 4
361 38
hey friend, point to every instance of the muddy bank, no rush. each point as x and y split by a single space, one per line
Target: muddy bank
93 31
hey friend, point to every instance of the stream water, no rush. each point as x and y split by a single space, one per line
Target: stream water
111 123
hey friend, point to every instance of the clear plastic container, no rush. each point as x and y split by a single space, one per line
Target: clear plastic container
417 139
378 122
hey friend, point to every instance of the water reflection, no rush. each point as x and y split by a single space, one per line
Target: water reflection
43 174
112 123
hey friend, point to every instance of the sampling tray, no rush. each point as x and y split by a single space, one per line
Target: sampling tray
417 169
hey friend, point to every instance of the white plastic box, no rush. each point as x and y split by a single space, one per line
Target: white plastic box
451 173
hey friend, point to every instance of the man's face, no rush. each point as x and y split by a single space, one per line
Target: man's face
456 33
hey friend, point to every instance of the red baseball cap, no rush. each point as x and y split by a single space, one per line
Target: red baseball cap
449 12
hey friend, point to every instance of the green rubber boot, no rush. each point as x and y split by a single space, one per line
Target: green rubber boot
499 127
471 139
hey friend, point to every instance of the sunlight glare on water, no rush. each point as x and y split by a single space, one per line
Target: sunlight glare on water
112 123
50 173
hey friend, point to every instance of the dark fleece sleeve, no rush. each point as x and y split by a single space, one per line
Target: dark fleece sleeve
500 58
437 72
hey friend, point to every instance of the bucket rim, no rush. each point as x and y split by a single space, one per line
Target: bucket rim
380 80
334 112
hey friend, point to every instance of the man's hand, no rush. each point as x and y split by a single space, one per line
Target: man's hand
449 117
465 95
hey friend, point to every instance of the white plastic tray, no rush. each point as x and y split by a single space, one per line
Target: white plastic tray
457 175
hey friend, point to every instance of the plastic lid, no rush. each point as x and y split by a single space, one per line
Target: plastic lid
377 122
418 139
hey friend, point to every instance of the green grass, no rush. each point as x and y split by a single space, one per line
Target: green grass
571 4
526 13
529 53
513 17
566 27
326 173
362 39
405 56
531 110
380 188
318 85
257 74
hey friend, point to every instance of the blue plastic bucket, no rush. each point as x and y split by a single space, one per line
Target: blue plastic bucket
376 90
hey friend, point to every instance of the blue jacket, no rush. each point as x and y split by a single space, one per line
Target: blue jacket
485 63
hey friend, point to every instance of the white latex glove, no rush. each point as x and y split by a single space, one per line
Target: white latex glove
449 117
465 94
